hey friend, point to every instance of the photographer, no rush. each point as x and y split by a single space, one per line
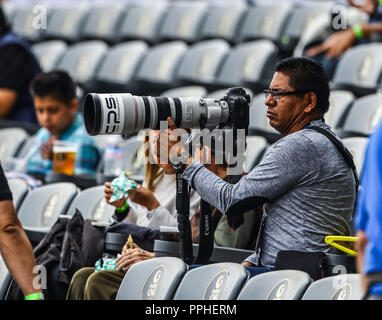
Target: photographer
307 188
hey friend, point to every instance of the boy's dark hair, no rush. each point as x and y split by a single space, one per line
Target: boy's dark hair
57 84
307 75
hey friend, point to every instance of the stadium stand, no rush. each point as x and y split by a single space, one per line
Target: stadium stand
11 140
49 53
19 189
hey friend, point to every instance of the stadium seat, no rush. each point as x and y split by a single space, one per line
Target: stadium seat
11 139
92 205
223 20
153 279
357 147
66 22
102 22
340 287
5 279
118 68
217 281
276 285
254 152
82 59
359 70
19 189
264 22
201 63
188 91
340 104
142 22
183 21
363 117
157 71
258 121
49 53
249 64
42 206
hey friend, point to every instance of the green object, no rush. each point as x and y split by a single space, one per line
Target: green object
285 39
357 29
34 296
120 186
380 2
124 207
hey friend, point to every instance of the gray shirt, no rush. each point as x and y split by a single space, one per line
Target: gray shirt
308 190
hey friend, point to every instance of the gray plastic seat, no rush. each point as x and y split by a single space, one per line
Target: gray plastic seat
217 281
264 22
202 61
19 189
359 69
92 204
42 206
222 21
250 64
153 279
276 285
258 121
340 103
183 21
82 60
363 117
11 139
357 147
187 91
340 287
49 53
142 22
254 152
103 21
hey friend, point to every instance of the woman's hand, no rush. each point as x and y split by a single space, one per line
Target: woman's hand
132 256
144 197
108 193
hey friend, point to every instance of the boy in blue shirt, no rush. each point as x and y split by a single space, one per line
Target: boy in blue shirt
56 107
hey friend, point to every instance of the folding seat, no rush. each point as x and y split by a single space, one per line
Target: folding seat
183 21
217 281
250 64
256 146
363 117
103 22
188 91
276 285
66 22
264 22
118 68
340 287
157 72
359 70
201 63
357 147
258 121
92 204
340 104
153 279
142 22
223 20
19 189
82 59
42 206
49 53
11 139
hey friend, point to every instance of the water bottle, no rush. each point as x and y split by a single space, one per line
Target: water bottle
114 156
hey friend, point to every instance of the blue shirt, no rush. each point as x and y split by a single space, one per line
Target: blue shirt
368 216
87 156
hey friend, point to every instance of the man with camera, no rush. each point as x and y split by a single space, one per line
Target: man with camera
305 183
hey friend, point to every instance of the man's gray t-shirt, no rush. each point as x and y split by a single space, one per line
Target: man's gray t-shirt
309 190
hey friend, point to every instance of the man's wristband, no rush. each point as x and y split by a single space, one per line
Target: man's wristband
380 2
34 296
124 207
357 29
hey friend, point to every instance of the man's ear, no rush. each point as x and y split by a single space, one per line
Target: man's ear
310 102
73 105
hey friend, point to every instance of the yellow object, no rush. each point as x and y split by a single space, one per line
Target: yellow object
333 241
129 242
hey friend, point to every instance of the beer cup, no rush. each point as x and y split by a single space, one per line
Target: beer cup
64 157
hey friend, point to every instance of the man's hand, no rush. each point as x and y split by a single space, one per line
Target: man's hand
132 256
46 149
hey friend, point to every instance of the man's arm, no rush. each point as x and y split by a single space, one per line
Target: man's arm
360 247
7 99
16 249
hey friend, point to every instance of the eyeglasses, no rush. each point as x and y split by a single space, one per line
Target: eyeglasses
278 94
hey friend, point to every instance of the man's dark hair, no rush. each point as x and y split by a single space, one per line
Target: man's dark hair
57 84
4 25
307 75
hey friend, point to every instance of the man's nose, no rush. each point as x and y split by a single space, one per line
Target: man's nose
269 101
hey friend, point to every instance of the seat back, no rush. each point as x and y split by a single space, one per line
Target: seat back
217 281
49 53
276 285
11 139
357 147
256 146
340 287
92 204
340 103
153 279
43 205
19 189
